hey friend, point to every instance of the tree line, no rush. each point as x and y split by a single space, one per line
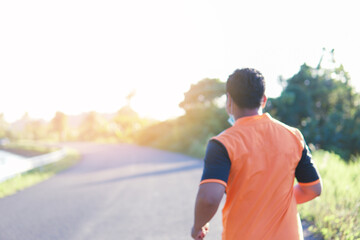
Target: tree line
91 126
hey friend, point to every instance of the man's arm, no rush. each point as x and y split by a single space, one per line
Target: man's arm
212 186
309 186
304 193
207 202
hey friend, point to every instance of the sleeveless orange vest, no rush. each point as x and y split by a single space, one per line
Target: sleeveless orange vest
260 202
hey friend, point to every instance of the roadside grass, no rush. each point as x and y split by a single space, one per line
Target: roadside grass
28 148
37 175
336 213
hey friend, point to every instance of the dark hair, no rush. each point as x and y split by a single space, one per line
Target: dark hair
246 87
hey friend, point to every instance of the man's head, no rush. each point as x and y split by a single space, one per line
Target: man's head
246 88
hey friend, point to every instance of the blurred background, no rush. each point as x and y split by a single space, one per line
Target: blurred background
153 73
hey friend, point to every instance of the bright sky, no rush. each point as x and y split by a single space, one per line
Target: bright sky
76 56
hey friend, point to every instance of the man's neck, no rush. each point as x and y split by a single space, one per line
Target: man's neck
246 112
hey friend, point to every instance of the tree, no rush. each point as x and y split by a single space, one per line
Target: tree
94 127
36 129
59 124
129 97
322 103
127 121
203 94
191 132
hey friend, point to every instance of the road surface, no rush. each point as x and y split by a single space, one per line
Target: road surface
117 191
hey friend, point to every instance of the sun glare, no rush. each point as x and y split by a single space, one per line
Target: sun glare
92 58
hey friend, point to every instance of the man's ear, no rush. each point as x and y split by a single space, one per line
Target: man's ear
228 101
264 100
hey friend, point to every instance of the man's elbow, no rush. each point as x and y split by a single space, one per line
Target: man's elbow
306 193
210 194
316 189
208 200
318 192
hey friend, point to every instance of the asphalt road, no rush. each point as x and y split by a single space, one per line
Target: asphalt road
121 192
117 191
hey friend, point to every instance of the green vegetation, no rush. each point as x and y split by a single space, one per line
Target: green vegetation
187 134
324 106
205 117
91 126
37 175
336 213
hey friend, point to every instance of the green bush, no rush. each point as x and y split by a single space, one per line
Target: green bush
188 134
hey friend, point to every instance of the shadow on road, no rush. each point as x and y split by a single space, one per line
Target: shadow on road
150 174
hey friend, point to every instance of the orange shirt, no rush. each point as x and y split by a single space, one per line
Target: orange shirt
260 202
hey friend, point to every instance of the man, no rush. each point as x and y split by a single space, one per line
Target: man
255 163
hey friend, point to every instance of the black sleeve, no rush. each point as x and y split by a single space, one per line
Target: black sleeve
305 171
217 162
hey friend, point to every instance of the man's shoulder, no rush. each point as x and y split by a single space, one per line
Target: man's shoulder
293 130
225 133
239 130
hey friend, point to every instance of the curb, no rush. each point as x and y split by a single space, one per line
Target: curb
26 164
